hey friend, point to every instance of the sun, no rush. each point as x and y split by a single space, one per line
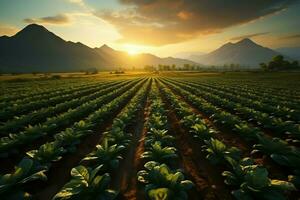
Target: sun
132 52
132 49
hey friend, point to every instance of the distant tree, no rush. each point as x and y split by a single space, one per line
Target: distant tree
278 63
186 67
173 67
263 66
149 68
160 67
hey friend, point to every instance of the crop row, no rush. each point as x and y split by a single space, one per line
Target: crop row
277 125
40 160
268 101
161 178
91 179
264 87
10 144
253 92
38 116
278 150
246 99
24 108
58 92
34 88
249 180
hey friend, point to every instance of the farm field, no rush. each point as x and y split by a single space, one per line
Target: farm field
172 135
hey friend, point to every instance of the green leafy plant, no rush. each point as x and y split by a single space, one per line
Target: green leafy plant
253 181
86 184
257 185
291 159
225 119
217 152
271 146
162 182
117 136
157 121
25 171
191 120
235 177
160 135
47 153
247 132
106 155
69 139
201 131
160 154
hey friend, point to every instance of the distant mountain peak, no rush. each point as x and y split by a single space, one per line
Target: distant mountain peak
35 49
35 32
105 46
246 41
244 52
33 28
228 44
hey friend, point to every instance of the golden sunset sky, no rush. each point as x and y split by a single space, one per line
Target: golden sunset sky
161 27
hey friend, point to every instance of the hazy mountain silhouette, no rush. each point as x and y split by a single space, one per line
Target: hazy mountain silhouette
35 49
245 52
120 58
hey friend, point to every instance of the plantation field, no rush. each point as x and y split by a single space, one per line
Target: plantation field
140 135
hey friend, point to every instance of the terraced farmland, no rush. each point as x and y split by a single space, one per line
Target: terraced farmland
169 136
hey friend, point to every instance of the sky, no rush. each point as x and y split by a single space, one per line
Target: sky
162 27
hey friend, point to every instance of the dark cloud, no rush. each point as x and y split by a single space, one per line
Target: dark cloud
160 22
248 36
57 19
296 36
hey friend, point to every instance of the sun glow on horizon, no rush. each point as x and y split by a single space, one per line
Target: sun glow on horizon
132 49
132 52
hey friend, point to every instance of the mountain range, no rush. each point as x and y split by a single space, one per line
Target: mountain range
245 53
35 49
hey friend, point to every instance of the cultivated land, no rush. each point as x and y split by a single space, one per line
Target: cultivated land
140 135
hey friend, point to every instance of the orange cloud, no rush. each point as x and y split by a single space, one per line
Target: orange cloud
57 19
161 22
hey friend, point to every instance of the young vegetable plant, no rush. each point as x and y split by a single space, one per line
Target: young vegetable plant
274 147
87 184
191 120
117 136
106 155
47 153
69 139
254 183
247 132
162 183
225 119
159 135
71 136
157 121
160 154
217 152
201 131
25 171
257 185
